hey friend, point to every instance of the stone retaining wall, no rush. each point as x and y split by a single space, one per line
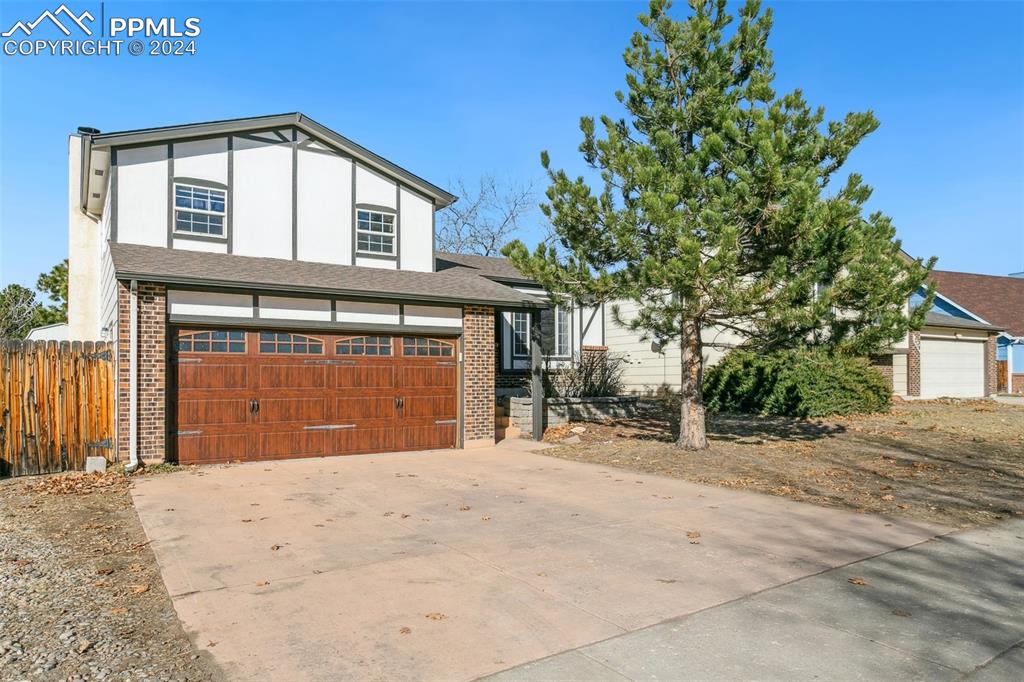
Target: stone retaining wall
563 410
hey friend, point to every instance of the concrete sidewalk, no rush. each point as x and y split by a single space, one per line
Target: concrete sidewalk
949 608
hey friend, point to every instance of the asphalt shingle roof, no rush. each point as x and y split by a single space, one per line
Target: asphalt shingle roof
997 300
176 266
486 266
935 319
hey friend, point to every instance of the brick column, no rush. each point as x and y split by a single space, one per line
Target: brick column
914 365
991 379
478 376
152 355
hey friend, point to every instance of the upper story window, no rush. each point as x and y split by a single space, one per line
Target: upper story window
375 232
520 334
562 330
199 210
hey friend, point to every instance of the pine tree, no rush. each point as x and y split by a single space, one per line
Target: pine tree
716 207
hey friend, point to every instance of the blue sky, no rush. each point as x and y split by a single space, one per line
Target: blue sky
456 90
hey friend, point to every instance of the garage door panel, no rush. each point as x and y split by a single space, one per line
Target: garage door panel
439 407
277 410
364 376
365 408
212 448
263 400
292 377
211 376
427 436
362 439
429 377
952 368
302 443
208 411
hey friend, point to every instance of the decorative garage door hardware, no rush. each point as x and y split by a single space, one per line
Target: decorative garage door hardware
276 395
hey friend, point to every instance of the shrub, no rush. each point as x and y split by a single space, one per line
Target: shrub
592 375
801 383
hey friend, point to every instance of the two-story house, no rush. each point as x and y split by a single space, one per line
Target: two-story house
273 291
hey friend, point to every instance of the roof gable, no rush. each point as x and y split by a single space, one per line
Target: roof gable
335 140
997 300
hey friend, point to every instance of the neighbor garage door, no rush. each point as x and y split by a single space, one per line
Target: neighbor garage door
952 368
259 395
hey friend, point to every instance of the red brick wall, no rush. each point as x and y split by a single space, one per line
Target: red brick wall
152 319
914 365
478 364
991 378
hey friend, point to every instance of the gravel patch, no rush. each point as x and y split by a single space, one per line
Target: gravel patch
81 596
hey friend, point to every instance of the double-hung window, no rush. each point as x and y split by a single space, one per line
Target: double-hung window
199 210
520 334
375 232
562 331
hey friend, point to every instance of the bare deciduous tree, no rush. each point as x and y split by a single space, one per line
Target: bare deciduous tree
19 311
484 219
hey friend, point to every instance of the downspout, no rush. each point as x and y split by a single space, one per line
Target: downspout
133 378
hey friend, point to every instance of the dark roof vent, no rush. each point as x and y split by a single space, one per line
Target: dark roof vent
86 130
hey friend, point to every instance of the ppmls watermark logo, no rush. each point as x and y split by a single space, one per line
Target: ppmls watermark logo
110 36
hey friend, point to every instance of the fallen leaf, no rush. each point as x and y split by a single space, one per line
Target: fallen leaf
104 571
405 631
436 616
901 612
246 520
887 498
464 507
135 568
274 548
405 516
485 518
263 583
84 646
211 643
139 589
118 610
101 583
389 513
857 581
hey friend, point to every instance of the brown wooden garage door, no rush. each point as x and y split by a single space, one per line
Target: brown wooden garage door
258 395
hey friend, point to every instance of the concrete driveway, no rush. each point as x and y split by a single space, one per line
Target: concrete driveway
450 565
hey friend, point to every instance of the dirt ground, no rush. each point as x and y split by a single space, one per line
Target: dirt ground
81 597
954 463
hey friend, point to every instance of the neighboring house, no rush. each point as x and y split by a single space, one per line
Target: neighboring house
273 291
49 332
992 300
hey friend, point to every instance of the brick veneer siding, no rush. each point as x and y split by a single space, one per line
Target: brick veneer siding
991 376
883 363
478 375
152 320
914 365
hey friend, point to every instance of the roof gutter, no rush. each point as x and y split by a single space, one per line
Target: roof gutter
528 302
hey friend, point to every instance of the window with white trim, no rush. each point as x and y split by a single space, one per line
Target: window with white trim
375 232
520 334
199 210
562 330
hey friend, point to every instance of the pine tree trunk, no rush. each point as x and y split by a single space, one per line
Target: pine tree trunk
692 435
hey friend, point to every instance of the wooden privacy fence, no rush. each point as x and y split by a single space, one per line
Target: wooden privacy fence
1002 376
56 405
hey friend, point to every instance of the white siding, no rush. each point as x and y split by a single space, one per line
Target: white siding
142 195
432 316
368 313
324 208
372 188
589 327
647 369
309 309
108 295
899 374
196 245
203 159
416 232
209 303
383 263
262 194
